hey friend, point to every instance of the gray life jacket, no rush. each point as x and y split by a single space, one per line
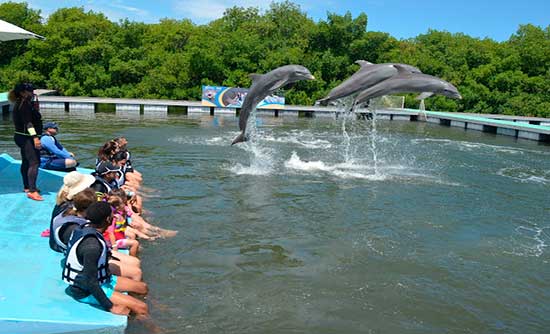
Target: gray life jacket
58 222
72 267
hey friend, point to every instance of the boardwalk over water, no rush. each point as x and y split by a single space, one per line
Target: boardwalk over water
532 128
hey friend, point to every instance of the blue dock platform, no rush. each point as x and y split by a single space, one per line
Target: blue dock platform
32 294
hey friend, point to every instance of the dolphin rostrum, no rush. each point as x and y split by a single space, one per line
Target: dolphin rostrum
264 85
406 82
368 75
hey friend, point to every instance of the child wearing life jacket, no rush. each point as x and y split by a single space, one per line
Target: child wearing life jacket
116 233
136 227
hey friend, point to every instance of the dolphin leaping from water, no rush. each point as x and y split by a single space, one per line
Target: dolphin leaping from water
406 82
368 75
264 85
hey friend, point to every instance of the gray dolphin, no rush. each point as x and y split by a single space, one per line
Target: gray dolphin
406 82
264 85
368 75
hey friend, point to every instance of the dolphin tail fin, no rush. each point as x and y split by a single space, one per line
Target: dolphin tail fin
239 139
323 102
255 77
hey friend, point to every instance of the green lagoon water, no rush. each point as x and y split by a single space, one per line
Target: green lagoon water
413 228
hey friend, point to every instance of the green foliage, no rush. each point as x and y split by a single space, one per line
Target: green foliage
85 54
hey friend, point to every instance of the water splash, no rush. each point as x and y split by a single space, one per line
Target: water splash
261 160
349 111
373 141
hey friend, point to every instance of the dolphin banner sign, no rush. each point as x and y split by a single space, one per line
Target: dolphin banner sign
230 97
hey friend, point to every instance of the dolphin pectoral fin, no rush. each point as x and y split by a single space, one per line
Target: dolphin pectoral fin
424 95
239 139
255 77
278 85
363 63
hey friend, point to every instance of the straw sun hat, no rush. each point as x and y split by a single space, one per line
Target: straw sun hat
75 182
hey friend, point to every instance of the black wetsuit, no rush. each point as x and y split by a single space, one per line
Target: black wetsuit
25 116
88 253
100 187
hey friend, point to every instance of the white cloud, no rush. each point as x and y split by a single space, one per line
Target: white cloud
205 11
137 11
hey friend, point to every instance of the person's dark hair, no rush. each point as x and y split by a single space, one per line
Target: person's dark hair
121 141
115 201
107 151
15 94
120 155
97 213
120 193
81 202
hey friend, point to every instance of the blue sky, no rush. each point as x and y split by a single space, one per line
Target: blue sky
402 19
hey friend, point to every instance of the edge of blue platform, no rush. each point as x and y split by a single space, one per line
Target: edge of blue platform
32 294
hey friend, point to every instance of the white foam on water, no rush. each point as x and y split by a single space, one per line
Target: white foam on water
354 170
214 141
525 175
301 139
296 163
530 241
473 146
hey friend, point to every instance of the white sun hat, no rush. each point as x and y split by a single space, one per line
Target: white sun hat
75 182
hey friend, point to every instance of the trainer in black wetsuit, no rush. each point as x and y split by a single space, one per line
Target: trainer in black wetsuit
28 125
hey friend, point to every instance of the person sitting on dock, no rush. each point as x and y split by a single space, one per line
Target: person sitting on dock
132 174
65 223
86 269
117 235
105 174
73 183
53 155
120 159
106 152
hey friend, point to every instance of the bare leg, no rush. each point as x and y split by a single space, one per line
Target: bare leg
133 233
137 203
135 305
125 258
133 246
126 270
124 284
153 231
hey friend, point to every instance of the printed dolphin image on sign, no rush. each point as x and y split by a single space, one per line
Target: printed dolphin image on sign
406 82
264 85
368 75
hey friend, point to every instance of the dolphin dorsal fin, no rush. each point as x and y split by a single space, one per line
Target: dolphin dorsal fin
363 63
401 70
254 77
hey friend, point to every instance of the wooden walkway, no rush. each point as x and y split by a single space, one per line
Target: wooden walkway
533 128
